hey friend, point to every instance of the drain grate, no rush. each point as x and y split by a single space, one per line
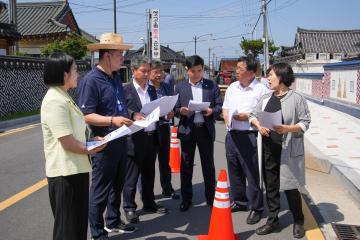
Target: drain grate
346 232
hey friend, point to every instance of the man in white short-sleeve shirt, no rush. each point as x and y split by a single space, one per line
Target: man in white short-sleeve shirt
241 148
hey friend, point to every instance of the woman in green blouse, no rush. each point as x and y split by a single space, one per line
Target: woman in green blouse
67 161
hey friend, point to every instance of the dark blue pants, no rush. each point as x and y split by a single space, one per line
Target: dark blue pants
163 152
109 168
142 162
199 137
242 161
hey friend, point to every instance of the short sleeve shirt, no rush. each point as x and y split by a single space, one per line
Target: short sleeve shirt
103 95
243 100
60 117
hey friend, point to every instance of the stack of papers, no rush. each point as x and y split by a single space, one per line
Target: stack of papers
166 104
270 119
198 106
124 130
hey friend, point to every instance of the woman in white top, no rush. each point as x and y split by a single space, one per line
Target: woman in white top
67 162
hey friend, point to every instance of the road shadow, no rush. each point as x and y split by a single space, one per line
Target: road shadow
333 214
174 225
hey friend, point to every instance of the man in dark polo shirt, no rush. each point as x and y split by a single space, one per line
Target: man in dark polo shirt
101 99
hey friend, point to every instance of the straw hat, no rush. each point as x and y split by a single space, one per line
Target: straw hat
110 41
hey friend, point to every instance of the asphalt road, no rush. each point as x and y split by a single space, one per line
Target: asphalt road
22 165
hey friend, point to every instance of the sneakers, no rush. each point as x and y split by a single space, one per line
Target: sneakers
122 228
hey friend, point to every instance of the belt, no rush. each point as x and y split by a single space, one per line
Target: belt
243 131
150 133
199 124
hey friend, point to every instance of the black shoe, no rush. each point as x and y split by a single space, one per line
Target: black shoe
100 238
237 208
155 209
122 228
132 217
184 206
170 194
254 217
268 228
298 230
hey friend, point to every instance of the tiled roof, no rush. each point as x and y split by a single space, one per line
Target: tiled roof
167 54
325 41
329 41
8 31
88 36
40 18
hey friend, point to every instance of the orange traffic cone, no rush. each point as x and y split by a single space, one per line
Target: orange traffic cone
174 161
221 226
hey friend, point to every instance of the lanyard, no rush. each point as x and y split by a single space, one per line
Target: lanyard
119 108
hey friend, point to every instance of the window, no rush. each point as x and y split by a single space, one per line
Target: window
333 84
352 86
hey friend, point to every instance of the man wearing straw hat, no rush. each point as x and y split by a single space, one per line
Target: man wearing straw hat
101 99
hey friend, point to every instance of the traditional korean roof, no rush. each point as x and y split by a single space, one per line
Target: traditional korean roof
324 41
36 19
166 53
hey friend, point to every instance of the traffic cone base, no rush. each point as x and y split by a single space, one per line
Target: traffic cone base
221 226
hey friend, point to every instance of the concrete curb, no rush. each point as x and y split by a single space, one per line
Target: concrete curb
336 167
4 125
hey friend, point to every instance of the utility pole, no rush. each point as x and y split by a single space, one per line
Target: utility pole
195 38
148 45
209 64
13 20
115 17
213 63
265 37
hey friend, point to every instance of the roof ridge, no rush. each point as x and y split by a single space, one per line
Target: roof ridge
326 31
37 4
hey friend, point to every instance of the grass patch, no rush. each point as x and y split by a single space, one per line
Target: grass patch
19 115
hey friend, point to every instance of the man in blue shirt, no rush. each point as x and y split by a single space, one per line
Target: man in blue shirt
101 99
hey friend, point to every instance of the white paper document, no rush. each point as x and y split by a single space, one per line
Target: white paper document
198 106
269 119
120 132
151 118
124 130
231 113
166 104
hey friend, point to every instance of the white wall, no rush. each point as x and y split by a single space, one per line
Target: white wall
304 85
341 79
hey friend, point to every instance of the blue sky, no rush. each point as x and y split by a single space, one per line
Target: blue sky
227 20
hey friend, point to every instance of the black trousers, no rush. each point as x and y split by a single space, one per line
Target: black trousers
271 172
163 152
107 180
199 137
242 161
143 162
69 196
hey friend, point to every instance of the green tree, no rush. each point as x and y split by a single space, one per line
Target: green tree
255 47
74 46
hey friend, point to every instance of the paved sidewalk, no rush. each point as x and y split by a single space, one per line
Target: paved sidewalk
334 141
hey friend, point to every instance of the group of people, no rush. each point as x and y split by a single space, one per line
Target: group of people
127 165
